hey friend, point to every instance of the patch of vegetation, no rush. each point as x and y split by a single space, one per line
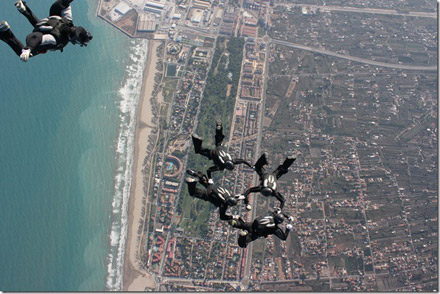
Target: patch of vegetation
214 105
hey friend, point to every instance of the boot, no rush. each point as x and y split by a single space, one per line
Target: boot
194 173
20 5
197 141
288 161
262 161
4 26
284 168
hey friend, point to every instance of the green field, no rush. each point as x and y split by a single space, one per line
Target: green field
214 105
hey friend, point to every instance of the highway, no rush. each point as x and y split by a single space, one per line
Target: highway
356 59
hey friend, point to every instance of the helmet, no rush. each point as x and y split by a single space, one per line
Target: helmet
231 201
81 36
266 191
278 218
229 165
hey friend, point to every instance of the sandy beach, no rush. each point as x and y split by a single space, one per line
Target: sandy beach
134 278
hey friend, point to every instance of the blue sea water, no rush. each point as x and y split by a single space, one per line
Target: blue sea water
66 125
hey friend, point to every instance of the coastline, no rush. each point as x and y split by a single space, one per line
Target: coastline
134 279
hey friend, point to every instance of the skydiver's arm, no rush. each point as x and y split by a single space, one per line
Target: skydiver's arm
240 161
280 198
250 190
213 168
223 215
280 234
241 224
243 241
203 183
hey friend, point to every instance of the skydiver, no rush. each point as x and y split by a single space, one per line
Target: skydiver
51 33
219 155
218 196
261 227
268 181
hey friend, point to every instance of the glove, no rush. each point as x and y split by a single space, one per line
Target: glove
211 181
240 197
289 227
248 207
290 218
25 54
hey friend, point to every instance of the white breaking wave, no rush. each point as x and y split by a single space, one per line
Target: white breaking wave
129 93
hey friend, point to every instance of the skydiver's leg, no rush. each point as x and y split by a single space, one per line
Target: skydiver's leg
262 161
222 211
7 36
219 133
194 191
27 12
284 168
197 142
61 8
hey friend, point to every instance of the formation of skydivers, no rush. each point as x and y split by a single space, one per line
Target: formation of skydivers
223 199
51 33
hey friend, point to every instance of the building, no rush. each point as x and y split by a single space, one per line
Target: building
202 4
151 9
146 24
154 5
196 18
122 8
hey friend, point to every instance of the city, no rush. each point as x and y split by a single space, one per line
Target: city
348 87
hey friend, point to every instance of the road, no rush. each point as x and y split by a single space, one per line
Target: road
247 270
324 8
357 59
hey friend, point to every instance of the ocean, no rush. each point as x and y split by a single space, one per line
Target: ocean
67 125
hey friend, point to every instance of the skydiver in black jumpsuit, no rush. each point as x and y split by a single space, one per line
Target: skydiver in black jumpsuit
218 196
261 227
268 181
51 33
221 158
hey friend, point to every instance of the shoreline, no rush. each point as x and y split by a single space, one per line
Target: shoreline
134 279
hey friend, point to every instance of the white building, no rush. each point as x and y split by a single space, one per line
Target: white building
122 8
154 4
